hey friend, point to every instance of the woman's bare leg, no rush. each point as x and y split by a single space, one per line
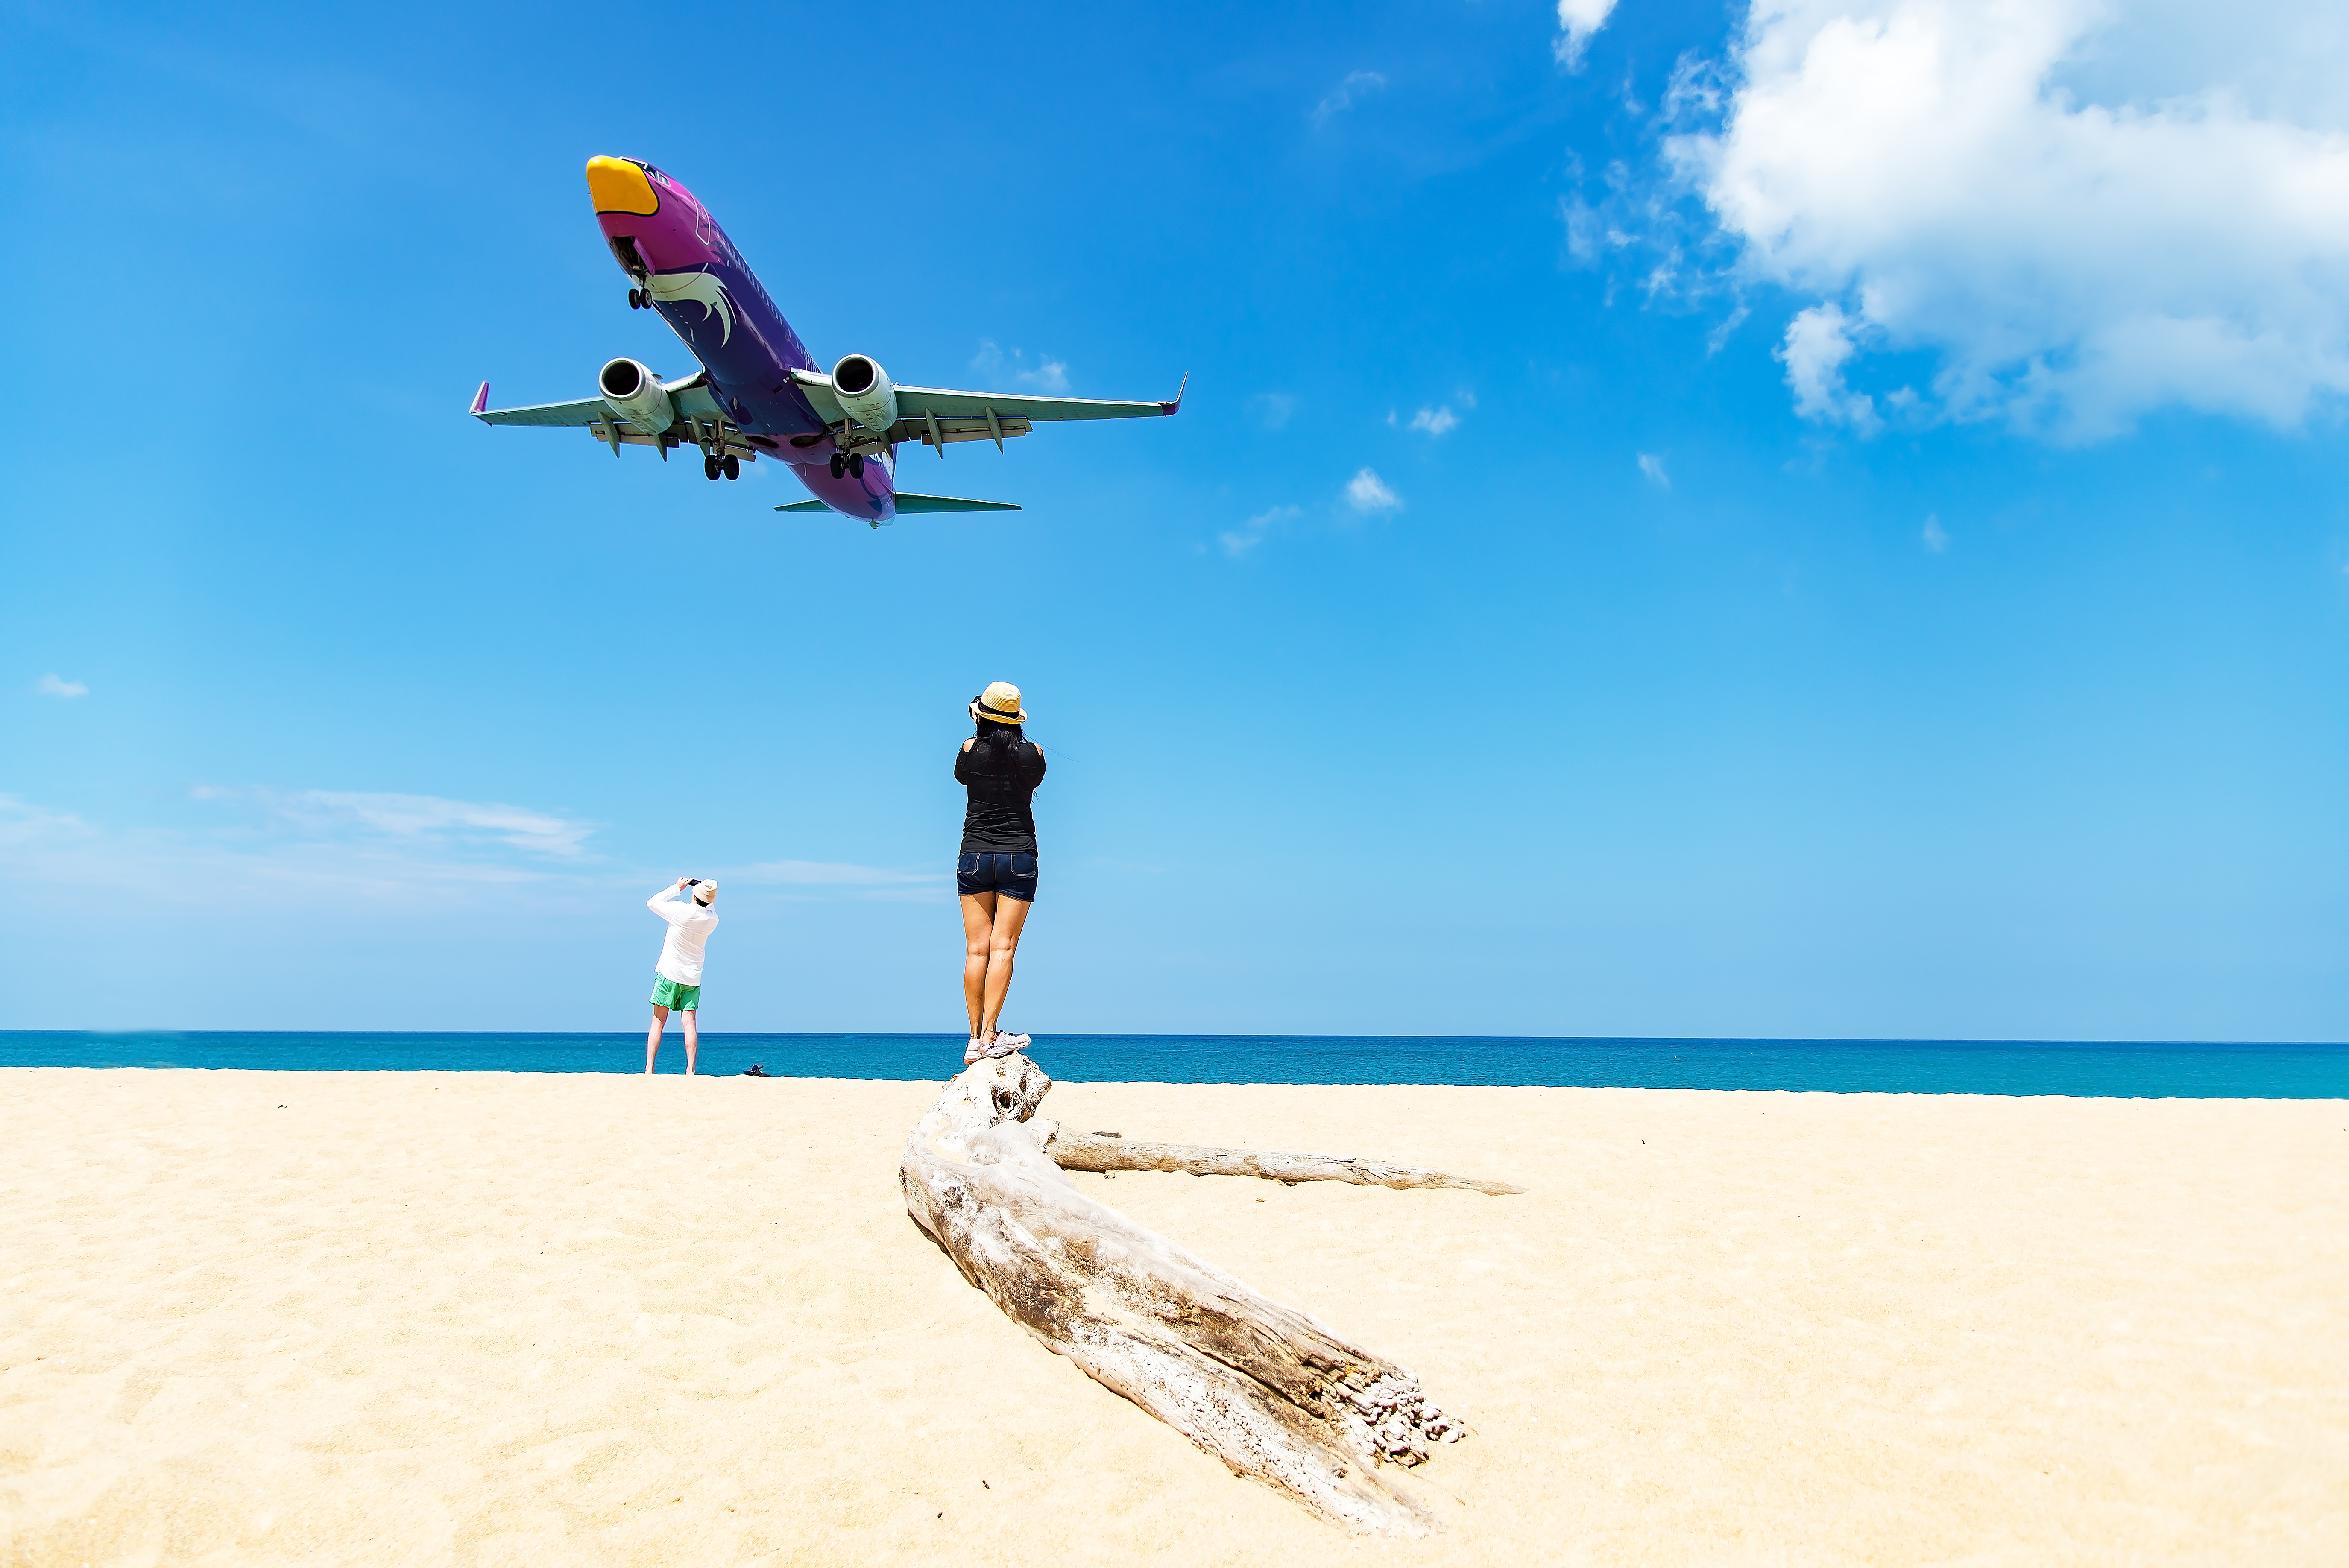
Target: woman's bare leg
692 1036
653 1034
1003 942
978 940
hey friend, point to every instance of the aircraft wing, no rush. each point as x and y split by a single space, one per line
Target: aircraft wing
915 403
924 412
578 411
689 395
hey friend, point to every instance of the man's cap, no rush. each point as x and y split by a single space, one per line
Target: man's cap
999 702
704 891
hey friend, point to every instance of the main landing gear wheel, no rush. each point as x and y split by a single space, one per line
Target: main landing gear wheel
856 464
636 299
839 465
708 468
733 466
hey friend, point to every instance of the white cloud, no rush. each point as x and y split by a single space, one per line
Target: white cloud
1652 466
1579 22
1273 409
1238 541
51 684
2086 209
1935 538
832 874
1049 376
1053 375
1584 229
1343 95
336 855
334 864
24 824
1435 421
1718 338
1818 342
336 814
1367 493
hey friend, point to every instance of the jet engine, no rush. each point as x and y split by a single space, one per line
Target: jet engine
635 395
865 392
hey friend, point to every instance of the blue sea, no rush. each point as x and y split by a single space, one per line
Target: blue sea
2118 1068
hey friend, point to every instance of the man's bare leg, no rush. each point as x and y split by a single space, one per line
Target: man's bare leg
979 941
692 1036
1003 945
653 1034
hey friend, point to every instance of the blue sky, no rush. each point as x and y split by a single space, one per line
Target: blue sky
1662 538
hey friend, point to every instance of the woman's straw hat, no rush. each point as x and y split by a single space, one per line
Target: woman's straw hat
999 702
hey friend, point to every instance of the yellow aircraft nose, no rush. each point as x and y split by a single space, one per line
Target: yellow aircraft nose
616 185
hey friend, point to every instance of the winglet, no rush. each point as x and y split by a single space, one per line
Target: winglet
481 401
1168 408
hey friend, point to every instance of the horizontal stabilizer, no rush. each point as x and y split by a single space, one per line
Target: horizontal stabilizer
913 503
906 503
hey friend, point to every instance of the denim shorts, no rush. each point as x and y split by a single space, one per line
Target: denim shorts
1013 876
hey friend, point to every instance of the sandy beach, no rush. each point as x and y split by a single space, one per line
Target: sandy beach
296 1317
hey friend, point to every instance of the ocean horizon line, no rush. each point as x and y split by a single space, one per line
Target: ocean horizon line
2079 1068
2083 1041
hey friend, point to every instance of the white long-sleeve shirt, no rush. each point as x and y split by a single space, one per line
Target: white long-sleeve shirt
689 927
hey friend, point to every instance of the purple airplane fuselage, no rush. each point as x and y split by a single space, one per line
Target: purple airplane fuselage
666 240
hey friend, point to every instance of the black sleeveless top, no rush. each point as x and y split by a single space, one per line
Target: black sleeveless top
1002 775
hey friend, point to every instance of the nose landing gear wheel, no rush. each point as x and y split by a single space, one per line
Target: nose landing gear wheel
856 464
636 299
708 468
733 466
839 465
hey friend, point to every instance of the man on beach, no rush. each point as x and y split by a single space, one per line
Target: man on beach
677 978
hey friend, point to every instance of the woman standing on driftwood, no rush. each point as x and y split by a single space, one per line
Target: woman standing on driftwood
995 872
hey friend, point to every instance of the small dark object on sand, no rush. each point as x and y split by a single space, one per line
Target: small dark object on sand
755 1070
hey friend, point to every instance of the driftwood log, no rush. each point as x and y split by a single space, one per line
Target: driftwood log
1262 1386
1116 1151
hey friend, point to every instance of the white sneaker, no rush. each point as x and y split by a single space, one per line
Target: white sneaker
1005 1044
976 1050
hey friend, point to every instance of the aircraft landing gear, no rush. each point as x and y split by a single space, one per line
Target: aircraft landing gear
839 465
636 299
733 466
708 468
856 464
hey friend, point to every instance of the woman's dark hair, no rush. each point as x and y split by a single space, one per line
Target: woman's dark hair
994 729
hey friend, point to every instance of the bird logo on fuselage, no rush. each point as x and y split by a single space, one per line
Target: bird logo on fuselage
704 290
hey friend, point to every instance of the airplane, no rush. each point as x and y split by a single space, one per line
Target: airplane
759 393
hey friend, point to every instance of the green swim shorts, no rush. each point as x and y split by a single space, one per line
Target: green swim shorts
667 993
